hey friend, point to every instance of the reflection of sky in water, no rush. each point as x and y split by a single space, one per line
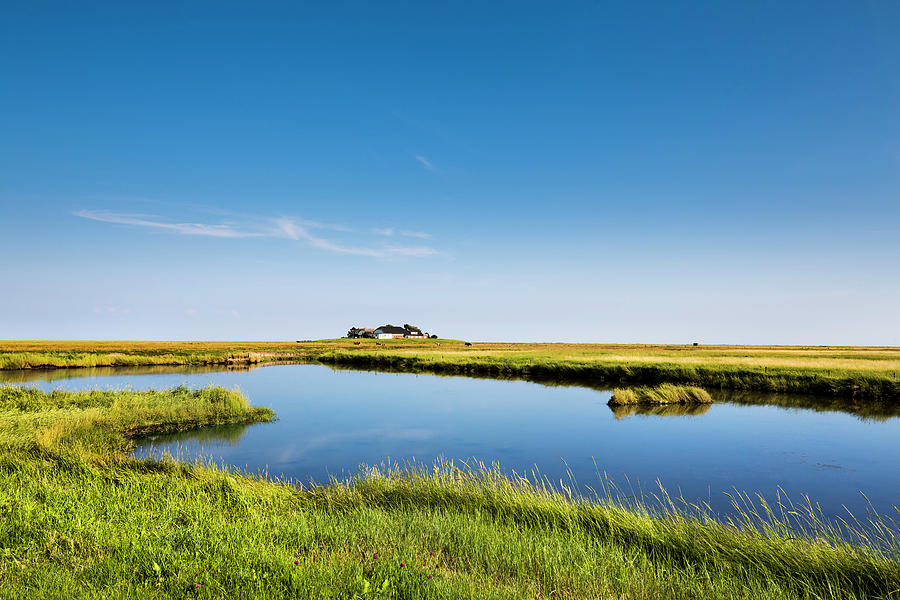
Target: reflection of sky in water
330 422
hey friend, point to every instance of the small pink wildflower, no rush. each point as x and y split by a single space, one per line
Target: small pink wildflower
296 562
374 556
402 564
431 577
196 585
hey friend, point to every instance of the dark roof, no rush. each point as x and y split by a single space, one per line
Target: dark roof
392 329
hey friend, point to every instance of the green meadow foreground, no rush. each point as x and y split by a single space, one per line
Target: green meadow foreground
858 374
80 519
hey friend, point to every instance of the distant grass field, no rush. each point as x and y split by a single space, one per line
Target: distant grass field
869 373
80 519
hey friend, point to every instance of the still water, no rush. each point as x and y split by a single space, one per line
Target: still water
332 421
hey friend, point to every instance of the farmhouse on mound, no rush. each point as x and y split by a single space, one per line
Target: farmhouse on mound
387 332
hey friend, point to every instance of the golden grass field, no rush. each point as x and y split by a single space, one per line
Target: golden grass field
857 371
819 357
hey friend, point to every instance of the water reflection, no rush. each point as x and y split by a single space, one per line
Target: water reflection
230 434
864 408
623 411
30 375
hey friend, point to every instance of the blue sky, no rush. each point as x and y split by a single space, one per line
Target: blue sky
584 171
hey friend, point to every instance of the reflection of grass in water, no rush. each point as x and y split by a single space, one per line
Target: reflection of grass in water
230 434
56 374
622 411
862 408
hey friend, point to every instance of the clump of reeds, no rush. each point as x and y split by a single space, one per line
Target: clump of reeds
665 393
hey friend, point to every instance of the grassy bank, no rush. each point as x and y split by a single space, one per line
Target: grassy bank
872 375
79 354
868 374
79 519
105 423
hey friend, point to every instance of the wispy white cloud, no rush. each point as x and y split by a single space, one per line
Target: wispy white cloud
390 231
425 162
281 227
329 226
416 251
294 230
223 230
416 234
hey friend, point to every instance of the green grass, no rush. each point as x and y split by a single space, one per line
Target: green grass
665 393
80 519
852 373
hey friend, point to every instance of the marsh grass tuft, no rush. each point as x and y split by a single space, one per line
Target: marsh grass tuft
665 393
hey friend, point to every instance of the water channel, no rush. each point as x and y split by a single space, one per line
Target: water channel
332 421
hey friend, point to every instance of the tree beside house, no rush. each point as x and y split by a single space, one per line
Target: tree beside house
388 332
